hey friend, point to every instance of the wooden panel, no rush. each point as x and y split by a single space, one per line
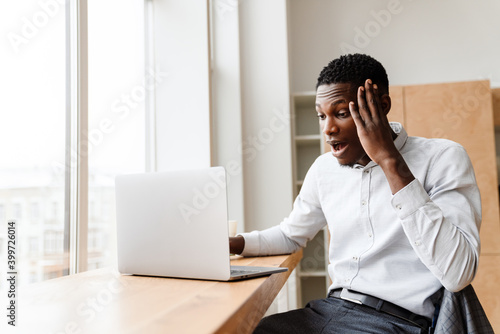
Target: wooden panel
486 286
462 112
396 114
495 93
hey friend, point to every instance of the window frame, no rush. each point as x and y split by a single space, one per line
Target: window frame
76 162
76 206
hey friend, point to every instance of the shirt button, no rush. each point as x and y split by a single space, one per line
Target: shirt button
417 243
355 258
367 171
398 207
369 235
363 202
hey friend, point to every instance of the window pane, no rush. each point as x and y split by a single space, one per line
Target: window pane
116 114
32 135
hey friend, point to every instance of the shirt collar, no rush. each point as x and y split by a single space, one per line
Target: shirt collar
402 135
399 142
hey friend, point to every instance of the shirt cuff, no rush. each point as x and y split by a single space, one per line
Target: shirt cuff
252 243
409 199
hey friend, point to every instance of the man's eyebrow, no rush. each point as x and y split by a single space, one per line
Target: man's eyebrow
334 103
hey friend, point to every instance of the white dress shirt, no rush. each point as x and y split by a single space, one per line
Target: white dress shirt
401 248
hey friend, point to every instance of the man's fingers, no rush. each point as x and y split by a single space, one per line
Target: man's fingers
377 101
372 99
355 115
363 110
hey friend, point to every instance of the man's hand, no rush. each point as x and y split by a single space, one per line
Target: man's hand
374 131
376 135
236 244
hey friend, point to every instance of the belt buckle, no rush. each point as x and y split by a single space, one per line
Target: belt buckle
347 295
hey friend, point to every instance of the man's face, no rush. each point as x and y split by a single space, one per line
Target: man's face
332 106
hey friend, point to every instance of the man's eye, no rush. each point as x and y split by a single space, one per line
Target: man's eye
343 114
320 116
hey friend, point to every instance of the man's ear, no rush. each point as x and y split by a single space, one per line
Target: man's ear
385 102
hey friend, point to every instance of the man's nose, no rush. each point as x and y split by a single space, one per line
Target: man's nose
330 127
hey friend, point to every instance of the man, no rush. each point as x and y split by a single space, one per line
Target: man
403 213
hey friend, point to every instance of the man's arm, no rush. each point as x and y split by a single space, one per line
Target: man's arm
271 241
305 220
442 220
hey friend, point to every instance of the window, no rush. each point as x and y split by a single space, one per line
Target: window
55 210
37 131
116 134
35 212
33 245
17 211
32 123
49 242
32 126
53 243
51 274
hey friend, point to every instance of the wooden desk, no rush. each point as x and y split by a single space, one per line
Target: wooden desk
103 301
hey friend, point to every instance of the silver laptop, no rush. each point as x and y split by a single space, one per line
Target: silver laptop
174 224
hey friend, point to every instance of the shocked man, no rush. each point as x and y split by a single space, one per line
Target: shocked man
403 214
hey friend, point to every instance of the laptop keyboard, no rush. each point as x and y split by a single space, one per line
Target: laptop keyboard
238 272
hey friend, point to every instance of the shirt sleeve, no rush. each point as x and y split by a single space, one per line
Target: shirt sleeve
305 220
442 223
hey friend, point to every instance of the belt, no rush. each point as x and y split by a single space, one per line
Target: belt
382 306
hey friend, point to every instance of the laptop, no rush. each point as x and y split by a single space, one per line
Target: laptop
174 224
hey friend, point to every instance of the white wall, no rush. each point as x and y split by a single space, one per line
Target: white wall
422 41
248 129
226 103
265 93
181 53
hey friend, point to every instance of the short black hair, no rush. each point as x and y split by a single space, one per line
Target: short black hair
354 69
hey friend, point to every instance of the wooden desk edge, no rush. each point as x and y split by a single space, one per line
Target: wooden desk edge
246 318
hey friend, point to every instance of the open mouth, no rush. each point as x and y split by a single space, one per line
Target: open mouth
338 147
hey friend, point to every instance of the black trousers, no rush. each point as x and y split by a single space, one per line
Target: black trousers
333 315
